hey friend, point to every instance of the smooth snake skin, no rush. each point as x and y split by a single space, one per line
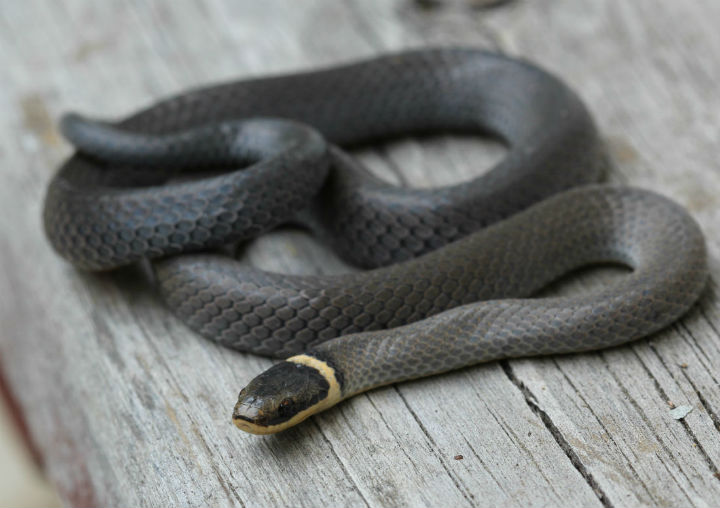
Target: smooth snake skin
552 146
124 197
636 228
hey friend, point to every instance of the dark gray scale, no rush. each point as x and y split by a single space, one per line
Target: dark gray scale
454 281
99 215
512 259
280 315
515 258
125 196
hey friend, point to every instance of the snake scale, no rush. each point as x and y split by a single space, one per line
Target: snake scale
452 270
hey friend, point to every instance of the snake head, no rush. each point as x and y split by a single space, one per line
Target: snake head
285 394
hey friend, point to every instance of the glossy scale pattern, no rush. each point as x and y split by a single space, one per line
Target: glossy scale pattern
514 259
107 206
455 279
507 263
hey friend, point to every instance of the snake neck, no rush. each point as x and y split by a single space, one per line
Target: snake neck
329 371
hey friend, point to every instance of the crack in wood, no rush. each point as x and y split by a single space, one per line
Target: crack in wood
569 451
644 417
606 430
708 460
704 402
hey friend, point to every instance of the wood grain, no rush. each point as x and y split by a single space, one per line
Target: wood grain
130 408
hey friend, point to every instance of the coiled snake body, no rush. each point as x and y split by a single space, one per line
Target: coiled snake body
454 280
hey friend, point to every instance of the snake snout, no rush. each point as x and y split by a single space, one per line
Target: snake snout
246 411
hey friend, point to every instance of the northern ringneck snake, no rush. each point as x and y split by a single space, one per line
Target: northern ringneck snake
451 270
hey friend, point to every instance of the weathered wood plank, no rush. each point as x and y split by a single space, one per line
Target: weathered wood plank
152 379
131 408
638 66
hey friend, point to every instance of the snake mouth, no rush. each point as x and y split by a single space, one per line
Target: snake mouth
254 420
249 419
247 413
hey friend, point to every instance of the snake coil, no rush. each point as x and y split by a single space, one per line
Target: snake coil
453 268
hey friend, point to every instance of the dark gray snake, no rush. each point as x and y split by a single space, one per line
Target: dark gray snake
457 279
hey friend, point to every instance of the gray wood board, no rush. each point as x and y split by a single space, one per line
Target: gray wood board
130 408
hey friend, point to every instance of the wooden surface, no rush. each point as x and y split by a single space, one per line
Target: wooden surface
130 408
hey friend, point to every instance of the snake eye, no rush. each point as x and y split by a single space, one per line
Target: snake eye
284 407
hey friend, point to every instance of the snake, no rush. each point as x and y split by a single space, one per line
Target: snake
451 273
